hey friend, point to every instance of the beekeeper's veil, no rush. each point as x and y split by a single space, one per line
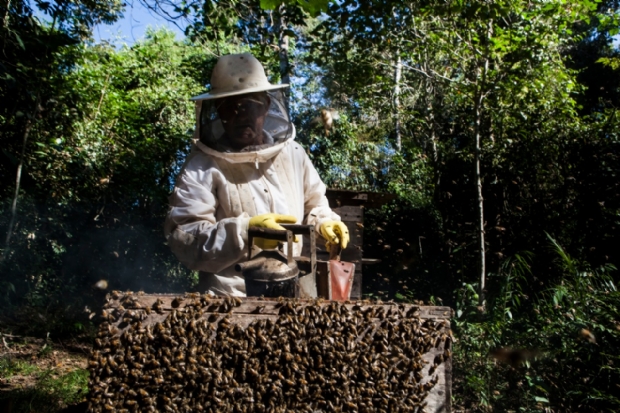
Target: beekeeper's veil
239 74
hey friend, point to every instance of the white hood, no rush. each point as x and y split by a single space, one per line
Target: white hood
261 155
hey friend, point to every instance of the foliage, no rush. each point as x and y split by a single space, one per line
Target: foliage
95 190
51 392
313 7
568 371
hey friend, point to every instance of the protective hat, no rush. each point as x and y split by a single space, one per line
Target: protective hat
237 74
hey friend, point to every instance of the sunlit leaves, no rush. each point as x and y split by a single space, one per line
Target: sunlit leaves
312 7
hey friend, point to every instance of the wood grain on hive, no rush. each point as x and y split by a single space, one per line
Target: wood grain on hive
202 353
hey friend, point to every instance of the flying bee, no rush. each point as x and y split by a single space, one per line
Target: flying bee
587 335
514 357
326 118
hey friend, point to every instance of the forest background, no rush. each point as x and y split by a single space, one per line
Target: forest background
493 123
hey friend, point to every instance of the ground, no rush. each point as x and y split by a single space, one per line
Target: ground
42 375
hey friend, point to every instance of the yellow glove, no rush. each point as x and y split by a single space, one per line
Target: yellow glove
271 221
335 232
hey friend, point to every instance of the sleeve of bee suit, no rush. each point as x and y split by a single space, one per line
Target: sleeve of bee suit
316 207
198 239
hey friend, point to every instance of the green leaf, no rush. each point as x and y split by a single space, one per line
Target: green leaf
269 4
19 40
313 7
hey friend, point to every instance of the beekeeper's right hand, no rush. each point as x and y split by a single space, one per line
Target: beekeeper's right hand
270 221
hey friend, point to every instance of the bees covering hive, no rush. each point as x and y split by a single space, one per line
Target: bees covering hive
198 353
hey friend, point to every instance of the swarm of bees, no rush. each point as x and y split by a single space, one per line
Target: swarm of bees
199 353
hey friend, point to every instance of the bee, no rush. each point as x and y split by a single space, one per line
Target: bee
514 357
112 363
587 335
159 327
438 341
326 118
438 359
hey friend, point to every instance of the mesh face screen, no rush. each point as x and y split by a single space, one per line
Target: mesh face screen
277 123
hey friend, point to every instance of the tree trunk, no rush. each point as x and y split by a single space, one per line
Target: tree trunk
479 109
18 179
283 53
478 180
398 70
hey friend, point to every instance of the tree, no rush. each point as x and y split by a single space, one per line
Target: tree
97 187
30 54
472 71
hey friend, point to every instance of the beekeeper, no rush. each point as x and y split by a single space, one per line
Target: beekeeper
244 169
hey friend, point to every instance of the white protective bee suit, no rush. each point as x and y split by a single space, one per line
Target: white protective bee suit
218 190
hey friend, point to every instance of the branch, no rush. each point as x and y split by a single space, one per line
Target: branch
159 10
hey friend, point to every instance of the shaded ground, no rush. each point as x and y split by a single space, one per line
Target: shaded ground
42 375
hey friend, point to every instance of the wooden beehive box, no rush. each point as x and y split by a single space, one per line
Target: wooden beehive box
350 206
201 353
